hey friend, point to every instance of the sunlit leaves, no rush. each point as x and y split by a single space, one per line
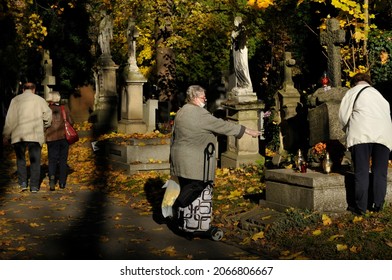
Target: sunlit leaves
357 219
341 247
326 220
316 232
257 236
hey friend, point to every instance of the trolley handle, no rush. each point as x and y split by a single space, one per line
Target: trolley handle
208 154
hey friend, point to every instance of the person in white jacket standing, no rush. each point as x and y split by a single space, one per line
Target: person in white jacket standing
366 119
27 117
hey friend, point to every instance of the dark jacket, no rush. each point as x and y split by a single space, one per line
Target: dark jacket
57 131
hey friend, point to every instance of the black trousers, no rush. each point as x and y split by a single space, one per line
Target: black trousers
58 156
361 156
34 149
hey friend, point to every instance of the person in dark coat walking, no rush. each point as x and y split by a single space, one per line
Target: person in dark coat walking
58 146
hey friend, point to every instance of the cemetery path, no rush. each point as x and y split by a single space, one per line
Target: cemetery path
77 223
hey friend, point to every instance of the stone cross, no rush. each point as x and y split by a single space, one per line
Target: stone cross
332 37
49 79
288 73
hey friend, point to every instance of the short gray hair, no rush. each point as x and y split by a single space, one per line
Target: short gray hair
54 96
193 92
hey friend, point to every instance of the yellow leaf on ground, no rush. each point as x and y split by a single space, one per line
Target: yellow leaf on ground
33 225
246 241
316 232
170 251
334 237
21 249
341 247
235 194
354 249
257 236
326 220
357 219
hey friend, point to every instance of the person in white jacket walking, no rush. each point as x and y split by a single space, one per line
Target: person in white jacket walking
27 117
366 120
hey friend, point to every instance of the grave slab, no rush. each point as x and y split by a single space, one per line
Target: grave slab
139 155
312 190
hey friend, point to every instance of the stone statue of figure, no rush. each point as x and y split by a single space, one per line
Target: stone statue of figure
105 33
132 34
240 55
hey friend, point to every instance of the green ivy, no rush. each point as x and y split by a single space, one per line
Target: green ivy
380 41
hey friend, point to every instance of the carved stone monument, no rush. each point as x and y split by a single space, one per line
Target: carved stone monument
323 117
49 79
289 97
332 37
287 101
132 96
107 98
242 107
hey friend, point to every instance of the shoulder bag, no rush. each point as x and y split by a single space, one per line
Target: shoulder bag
356 97
70 133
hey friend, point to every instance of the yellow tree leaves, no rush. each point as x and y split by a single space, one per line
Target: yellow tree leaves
260 4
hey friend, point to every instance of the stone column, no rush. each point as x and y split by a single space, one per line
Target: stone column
132 104
245 110
132 96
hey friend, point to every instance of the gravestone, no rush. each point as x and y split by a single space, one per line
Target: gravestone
332 37
132 95
106 97
323 116
49 79
334 192
242 107
287 102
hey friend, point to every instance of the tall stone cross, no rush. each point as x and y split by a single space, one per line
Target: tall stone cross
332 37
289 97
49 79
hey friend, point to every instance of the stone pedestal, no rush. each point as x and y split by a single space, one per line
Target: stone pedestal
244 150
312 190
132 104
140 155
106 105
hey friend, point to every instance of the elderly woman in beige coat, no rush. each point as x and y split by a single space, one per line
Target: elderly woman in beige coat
194 128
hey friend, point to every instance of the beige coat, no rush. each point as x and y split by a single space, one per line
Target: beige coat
27 117
194 128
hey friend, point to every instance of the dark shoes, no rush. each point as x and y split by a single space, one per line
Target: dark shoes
376 208
356 211
62 186
23 186
34 189
52 184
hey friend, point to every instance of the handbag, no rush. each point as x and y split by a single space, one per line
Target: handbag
70 133
190 192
